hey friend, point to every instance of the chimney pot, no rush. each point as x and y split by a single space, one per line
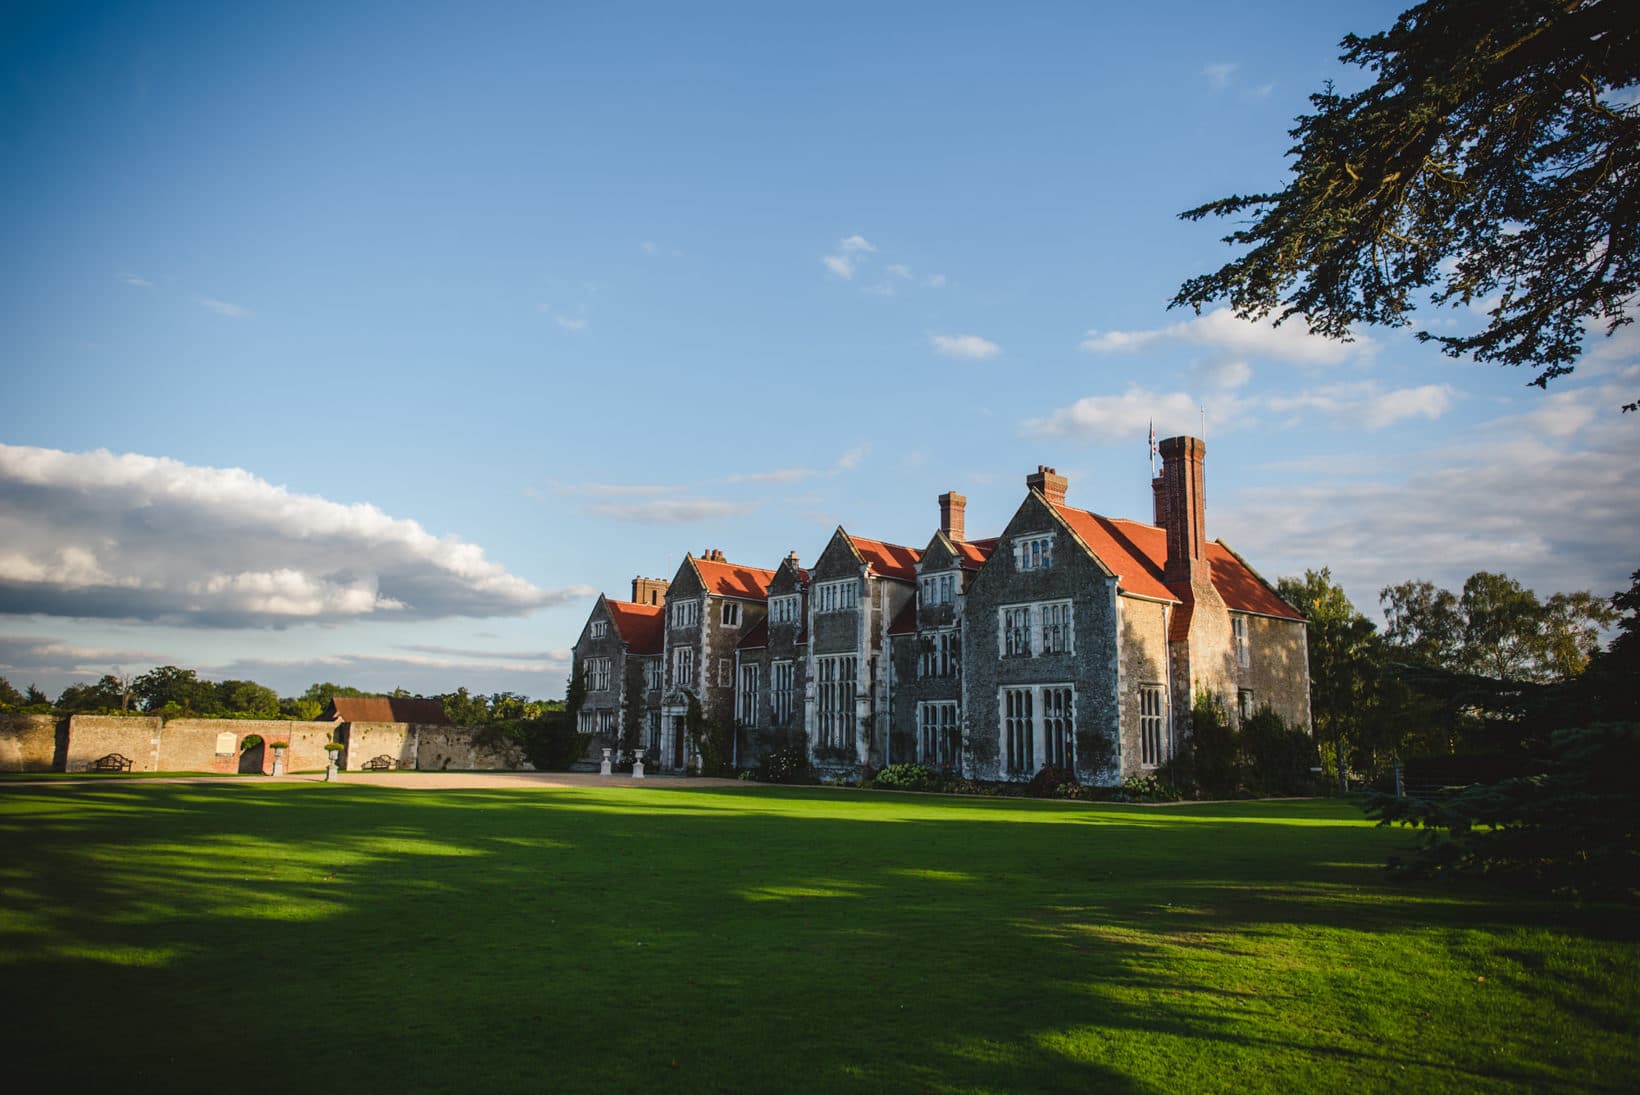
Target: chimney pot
953 508
1050 483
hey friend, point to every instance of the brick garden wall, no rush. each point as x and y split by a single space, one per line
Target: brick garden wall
28 743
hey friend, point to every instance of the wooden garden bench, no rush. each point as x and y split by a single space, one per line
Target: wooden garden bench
382 763
113 762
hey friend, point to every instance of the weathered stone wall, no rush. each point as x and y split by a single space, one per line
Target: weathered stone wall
455 748
368 740
1090 667
1278 668
197 745
28 743
217 745
1144 661
92 737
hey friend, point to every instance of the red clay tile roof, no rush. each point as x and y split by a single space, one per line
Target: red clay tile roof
973 553
734 580
1242 588
906 622
641 626
1138 553
385 709
888 560
756 638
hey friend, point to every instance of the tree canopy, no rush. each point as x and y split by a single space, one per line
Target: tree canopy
1494 161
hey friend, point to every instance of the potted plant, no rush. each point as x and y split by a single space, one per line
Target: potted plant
333 754
279 748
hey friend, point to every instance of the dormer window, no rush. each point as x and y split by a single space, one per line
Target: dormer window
600 628
1033 552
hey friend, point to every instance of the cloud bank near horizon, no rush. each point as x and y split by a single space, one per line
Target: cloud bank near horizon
124 536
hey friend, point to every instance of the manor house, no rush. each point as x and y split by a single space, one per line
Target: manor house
1070 639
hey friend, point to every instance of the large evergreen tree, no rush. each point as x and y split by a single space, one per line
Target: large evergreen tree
1493 160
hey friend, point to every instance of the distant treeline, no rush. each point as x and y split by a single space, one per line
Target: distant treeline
181 693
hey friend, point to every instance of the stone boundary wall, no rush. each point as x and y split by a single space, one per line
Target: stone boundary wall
42 743
28 743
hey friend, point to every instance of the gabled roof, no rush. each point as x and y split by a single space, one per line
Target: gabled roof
725 579
642 627
885 559
973 553
906 622
1137 554
385 709
756 638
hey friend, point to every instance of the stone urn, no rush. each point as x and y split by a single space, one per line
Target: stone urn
637 766
278 760
605 766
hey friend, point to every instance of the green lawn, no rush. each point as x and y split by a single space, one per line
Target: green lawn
326 937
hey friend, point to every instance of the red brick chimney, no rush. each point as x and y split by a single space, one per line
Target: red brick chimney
1049 482
1181 502
952 508
1158 492
649 591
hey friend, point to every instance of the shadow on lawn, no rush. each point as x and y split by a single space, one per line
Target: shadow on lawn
722 939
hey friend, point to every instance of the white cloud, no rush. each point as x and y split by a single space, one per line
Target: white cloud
935 281
899 270
1218 75
1557 516
1222 331
838 265
969 346
851 251
35 654
137 537
851 459
648 247
224 308
1107 418
669 511
1261 92
135 282
571 323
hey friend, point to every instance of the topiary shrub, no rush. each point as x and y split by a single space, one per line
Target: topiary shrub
904 777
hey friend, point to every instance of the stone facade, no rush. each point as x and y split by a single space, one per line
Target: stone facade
1070 640
857 587
1031 702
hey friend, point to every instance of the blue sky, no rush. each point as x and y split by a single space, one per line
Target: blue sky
362 344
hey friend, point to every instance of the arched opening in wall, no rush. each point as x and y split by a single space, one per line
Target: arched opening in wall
250 755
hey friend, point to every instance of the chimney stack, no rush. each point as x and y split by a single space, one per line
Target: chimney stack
952 508
1158 493
649 591
792 559
1181 504
1049 482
